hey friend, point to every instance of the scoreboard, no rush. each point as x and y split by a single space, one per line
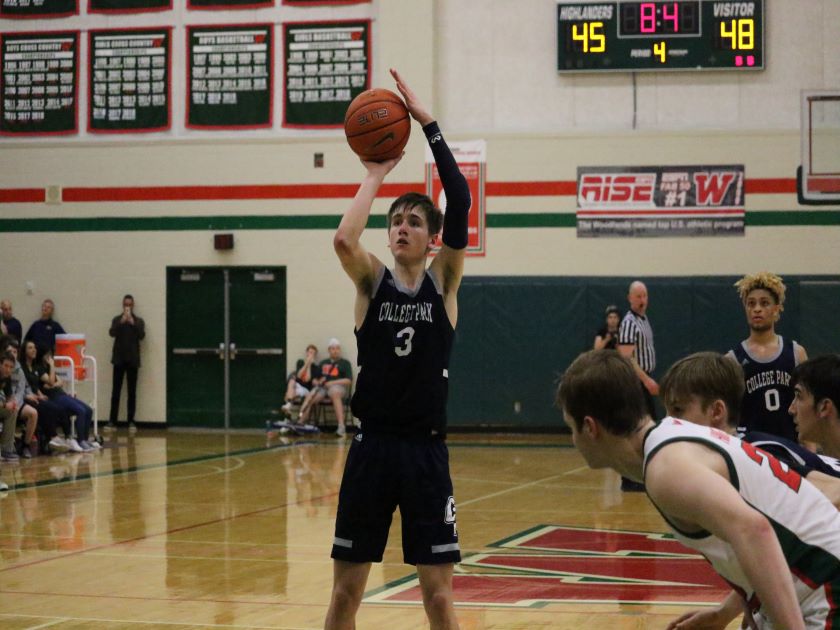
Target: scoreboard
627 36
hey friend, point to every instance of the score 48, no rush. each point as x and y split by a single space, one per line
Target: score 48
740 32
591 36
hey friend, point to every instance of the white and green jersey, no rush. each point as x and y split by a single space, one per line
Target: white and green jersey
806 523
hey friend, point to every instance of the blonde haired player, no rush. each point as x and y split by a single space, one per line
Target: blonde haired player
768 360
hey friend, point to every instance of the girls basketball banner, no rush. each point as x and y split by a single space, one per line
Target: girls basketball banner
660 201
229 76
40 79
471 156
129 80
128 6
327 64
36 9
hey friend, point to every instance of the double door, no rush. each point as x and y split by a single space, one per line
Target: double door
226 342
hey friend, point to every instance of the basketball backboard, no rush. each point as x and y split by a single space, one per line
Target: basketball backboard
818 179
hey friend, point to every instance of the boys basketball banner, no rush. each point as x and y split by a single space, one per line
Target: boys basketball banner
327 66
128 6
129 80
660 201
229 70
472 160
35 9
40 78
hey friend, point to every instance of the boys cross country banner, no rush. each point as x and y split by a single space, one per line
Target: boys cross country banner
128 6
35 9
129 80
40 79
660 201
327 66
229 70
471 156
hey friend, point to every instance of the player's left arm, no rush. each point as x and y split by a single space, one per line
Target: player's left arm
448 265
801 355
690 483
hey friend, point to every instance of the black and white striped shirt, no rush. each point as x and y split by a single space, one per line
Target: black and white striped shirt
635 331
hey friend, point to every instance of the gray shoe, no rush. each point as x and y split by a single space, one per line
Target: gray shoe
9 456
132 428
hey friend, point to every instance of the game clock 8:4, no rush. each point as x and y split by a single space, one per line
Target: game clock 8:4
660 35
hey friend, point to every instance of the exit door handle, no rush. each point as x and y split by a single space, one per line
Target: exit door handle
220 351
232 351
255 352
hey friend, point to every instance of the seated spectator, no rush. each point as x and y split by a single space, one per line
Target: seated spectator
44 330
301 381
8 408
50 415
10 322
335 381
20 392
607 335
51 386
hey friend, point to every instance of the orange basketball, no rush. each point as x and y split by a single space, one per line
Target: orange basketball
377 125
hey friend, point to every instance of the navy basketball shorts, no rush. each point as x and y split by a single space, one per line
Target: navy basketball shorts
386 471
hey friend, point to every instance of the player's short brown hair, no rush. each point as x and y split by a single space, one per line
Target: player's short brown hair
424 203
604 385
762 280
709 376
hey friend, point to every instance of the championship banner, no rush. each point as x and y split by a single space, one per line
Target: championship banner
38 9
471 156
327 66
128 6
660 201
229 4
39 83
129 80
229 76
318 3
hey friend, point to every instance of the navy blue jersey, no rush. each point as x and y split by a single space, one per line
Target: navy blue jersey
793 454
404 345
768 392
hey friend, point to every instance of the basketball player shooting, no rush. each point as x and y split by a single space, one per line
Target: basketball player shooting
405 321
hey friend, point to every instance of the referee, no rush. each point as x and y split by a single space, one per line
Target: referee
635 341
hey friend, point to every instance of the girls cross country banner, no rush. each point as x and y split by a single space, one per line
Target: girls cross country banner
40 81
660 201
129 85
471 156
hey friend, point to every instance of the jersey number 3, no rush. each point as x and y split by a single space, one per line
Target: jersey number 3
404 337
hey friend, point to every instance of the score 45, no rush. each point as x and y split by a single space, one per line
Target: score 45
591 35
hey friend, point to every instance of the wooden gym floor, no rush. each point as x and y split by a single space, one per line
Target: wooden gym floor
171 529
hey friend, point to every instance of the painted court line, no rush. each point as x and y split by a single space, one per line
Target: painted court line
493 495
150 623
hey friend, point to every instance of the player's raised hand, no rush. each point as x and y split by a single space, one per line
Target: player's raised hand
381 169
417 110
